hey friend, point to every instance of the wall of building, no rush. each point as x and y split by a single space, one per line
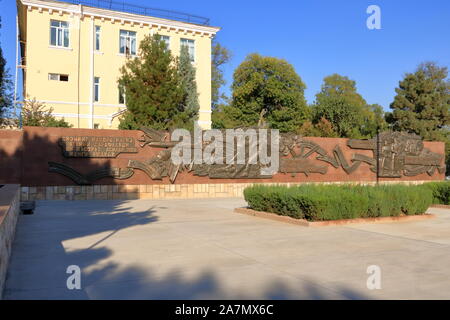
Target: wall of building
72 100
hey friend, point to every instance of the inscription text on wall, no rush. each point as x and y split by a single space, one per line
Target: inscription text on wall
96 147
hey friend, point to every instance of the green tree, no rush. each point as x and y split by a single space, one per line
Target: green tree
323 128
219 56
190 105
5 88
346 110
422 104
154 94
267 86
36 114
374 120
221 118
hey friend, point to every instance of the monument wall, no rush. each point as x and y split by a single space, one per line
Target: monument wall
66 163
9 214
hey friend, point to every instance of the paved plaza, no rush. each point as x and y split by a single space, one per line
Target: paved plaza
201 249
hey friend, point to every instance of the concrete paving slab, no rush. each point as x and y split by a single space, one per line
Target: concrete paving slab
201 249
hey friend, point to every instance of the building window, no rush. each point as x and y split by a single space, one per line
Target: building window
190 44
59 33
58 77
96 89
121 95
166 39
97 38
96 125
127 42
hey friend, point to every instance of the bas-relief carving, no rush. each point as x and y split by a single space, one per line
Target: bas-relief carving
91 177
399 154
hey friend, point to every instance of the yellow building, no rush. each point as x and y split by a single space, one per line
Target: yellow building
72 53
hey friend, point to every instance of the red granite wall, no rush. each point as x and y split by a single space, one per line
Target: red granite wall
25 155
10 156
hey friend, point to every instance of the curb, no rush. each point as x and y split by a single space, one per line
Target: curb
306 223
440 206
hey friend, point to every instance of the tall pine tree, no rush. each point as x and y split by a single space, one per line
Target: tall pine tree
422 105
190 105
154 94
422 102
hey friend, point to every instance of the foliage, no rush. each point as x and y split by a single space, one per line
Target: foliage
422 104
374 120
441 191
332 202
36 114
190 105
323 128
221 118
447 155
219 56
269 86
339 103
154 94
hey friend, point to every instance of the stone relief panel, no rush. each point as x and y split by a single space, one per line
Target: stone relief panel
400 154
397 154
91 177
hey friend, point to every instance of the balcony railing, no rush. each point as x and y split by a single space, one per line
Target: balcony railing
146 11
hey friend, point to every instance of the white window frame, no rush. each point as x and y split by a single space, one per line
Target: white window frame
57 77
166 40
190 43
96 89
60 31
97 38
128 39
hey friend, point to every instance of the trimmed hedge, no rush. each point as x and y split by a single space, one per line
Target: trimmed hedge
441 192
333 202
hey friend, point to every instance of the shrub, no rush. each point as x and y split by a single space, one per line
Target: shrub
441 191
35 113
332 202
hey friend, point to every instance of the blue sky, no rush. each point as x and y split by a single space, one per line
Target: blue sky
319 37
